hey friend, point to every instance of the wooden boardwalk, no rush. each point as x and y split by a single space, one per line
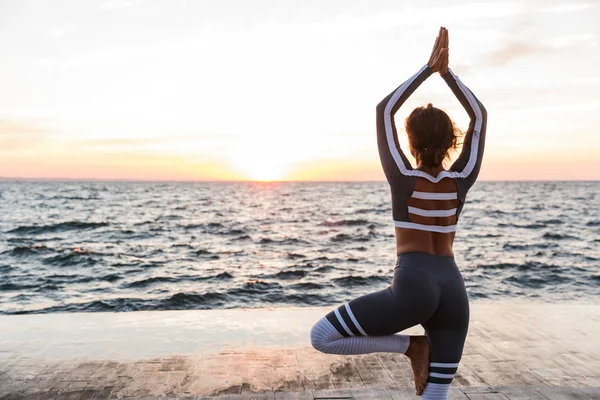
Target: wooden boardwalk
514 350
465 393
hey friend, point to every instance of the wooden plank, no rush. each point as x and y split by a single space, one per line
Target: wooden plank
303 395
371 394
486 396
592 393
521 393
332 394
456 394
480 389
402 394
562 393
397 368
229 397
372 372
345 376
317 382
260 396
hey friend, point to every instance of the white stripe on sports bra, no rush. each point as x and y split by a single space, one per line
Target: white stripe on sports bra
434 196
432 213
429 228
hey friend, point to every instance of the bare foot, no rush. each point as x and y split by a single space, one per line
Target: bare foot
418 352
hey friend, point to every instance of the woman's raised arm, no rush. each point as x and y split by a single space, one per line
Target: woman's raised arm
468 163
394 162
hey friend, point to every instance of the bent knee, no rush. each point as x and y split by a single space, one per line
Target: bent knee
317 339
321 336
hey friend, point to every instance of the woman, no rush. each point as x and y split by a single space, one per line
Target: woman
427 287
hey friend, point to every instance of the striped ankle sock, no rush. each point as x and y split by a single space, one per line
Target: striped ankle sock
440 377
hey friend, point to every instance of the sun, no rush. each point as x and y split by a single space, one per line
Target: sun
262 163
263 170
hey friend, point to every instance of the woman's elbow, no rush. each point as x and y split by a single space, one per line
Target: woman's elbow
380 107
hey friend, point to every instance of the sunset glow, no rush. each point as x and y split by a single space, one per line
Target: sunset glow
184 90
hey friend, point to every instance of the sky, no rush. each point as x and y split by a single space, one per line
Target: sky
286 90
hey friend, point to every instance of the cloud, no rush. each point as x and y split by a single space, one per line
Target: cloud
12 127
513 50
63 31
116 4
568 7
586 39
126 141
23 134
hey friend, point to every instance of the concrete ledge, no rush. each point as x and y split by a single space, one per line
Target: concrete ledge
515 349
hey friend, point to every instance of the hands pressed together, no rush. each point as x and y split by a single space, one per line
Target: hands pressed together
438 62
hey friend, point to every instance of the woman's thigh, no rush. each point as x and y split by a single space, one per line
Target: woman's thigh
447 328
410 300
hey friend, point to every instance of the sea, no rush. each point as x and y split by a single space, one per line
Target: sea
126 246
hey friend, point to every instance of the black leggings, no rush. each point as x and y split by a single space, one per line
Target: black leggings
426 289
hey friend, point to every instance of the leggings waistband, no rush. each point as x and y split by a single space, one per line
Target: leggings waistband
440 267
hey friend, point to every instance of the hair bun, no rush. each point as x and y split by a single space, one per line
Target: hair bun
433 156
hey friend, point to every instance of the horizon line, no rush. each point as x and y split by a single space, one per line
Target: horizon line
63 179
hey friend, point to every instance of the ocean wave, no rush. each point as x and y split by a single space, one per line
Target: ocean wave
557 236
486 235
346 222
186 301
70 259
24 251
523 226
324 269
552 222
48 287
516 246
307 286
59 227
73 198
527 266
171 217
294 256
257 285
290 274
8 286
350 280
186 245
343 237
143 283
494 212
206 254
537 282
307 299
150 281
215 228
181 301
6 268
372 210
120 304
110 278
285 241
